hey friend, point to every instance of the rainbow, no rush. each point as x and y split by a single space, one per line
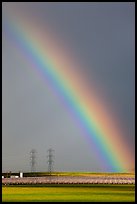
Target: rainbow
63 76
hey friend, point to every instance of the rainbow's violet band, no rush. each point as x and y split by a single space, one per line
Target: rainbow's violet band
102 144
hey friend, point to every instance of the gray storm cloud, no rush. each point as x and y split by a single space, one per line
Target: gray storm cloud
102 36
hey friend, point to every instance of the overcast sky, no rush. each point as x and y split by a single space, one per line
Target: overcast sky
102 37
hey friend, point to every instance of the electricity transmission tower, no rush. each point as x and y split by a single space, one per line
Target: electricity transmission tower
32 159
50 160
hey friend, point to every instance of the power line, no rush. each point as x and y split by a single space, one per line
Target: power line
50 160
33 159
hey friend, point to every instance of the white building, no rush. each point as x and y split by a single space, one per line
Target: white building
21 174
14 176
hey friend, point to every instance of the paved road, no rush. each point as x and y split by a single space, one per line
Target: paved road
71 180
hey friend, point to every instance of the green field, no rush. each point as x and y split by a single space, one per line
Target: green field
69 193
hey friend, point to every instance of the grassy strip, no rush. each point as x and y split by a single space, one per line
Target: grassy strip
73 193
73 185
39 174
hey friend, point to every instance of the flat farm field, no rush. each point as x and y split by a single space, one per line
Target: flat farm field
69 193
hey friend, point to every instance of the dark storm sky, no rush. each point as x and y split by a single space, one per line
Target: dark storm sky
102 36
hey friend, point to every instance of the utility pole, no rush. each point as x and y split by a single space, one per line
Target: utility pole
32 159
50 160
